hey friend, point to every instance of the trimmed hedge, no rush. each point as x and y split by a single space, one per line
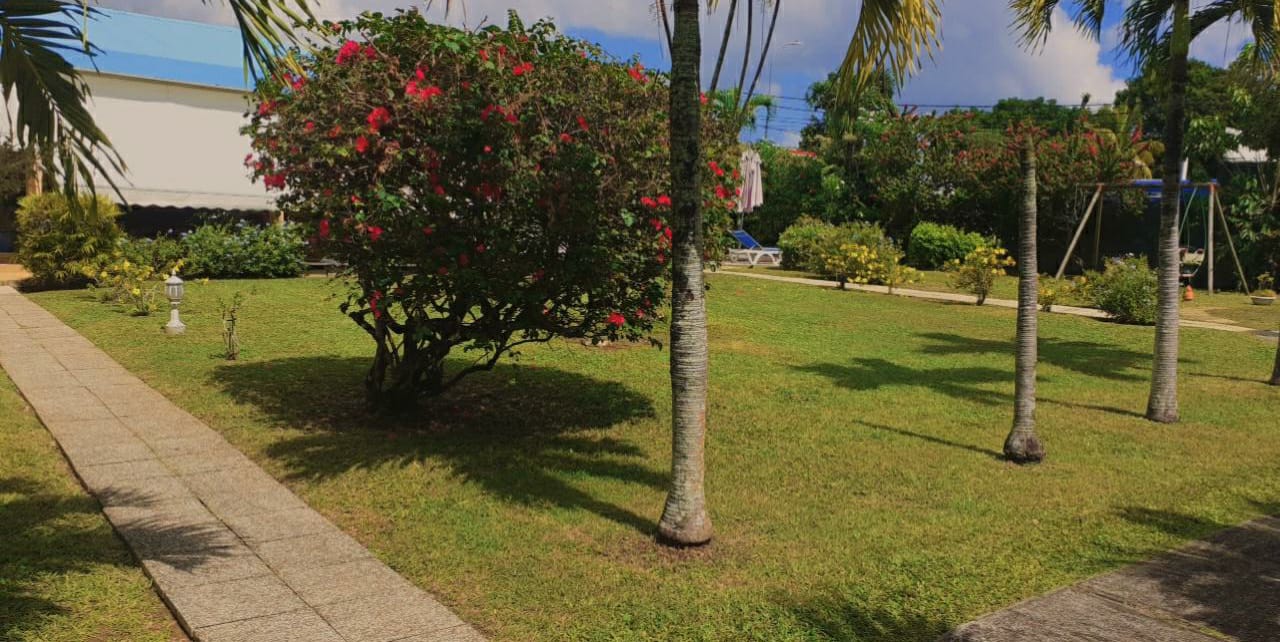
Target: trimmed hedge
244 251
933 245
806 244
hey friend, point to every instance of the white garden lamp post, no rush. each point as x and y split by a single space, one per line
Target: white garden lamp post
173 290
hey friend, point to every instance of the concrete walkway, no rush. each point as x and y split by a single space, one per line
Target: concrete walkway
1225 587
235 554
953 297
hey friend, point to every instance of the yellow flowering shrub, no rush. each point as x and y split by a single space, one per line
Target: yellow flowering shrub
978 271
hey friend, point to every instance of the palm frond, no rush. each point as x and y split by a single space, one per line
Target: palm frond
51 96
1033 19
892 35
266 30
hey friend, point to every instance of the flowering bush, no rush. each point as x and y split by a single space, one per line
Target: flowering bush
134 286
486 189
978 271
1126 290
1053 291
806 244
876 263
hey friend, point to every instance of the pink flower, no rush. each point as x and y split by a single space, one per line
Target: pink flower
375 233
702 98
349 49
248 160
362 144
616 319
378 118
480 248
488 149
420 73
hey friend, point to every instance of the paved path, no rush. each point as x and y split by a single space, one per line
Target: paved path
1225 587
237 556
1092 313
12 273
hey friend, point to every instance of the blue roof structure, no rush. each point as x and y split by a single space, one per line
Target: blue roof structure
144 46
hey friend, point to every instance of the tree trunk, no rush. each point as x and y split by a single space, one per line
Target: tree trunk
724 46
661 5
764 53
1275 372
1163 403
684 518
746 53
1022 446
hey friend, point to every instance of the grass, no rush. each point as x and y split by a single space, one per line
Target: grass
64 576
854 475
1221 307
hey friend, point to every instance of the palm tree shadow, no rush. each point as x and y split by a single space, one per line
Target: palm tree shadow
59 534
871 374
1086 357
850 620
933 440
1225 580
517 432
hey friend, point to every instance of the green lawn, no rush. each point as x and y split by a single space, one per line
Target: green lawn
64 576
1221 307
854 472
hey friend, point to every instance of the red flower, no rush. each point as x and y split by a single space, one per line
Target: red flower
539 274
442 271
522 69
582 124
480 248
648 202
375 233
715 167
378 118
362 144
566 138
721 192
702 98
489 110
370 53
439 190
248 160
662 258
464 260
374 302
309 127
664 200
355 200
266 107
637 73
297 82
484 54
420 73
335 131
488 149
656 223
428 230
349 49
616 319
324 228
273 181
666 233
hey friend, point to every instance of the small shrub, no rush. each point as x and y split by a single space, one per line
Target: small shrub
877 262
135 287
55 240
244 251
933 245
807 244
160 253
1127 290
1266 284
1052 291
230 311
977 272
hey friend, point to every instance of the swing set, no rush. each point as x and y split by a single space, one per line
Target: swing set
1192 258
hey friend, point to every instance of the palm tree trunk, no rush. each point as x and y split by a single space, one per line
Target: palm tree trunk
684 518
724 46
746 53
1163 403
1022 446
764 53
661 6
1275 372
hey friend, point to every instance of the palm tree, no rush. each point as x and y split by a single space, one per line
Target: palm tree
684 519
1022 446
1162 31
893 32
51 97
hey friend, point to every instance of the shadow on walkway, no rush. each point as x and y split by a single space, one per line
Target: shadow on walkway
517 431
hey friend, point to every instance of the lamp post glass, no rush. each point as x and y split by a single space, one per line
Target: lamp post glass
173 289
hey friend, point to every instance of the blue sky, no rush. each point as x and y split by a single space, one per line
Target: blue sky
980 60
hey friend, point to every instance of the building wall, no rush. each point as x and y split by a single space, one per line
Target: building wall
181 143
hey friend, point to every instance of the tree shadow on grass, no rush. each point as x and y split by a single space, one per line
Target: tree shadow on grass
932 439
1226 580
847 620
517 432
873 374
58 534
1085 357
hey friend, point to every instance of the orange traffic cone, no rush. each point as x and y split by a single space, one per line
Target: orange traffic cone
1189 294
